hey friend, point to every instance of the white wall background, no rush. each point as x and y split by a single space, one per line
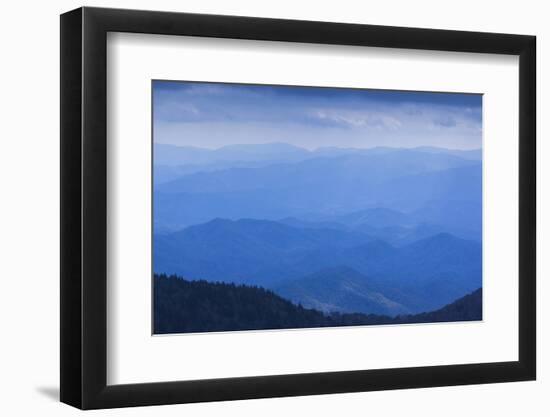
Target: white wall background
29 212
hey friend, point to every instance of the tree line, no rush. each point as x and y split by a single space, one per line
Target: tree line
183 306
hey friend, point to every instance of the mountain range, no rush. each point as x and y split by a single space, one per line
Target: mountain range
425 184
386 231
192 156
419 276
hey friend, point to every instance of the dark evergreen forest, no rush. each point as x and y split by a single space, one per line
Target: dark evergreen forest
182 306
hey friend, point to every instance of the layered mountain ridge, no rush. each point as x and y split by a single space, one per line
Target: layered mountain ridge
385 231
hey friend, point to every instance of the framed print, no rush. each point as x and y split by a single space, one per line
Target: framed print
256 208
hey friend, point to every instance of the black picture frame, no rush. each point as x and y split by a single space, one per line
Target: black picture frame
84 207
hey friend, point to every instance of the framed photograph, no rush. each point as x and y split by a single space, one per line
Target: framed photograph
258 208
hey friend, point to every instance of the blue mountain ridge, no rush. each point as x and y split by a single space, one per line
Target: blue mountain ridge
330 186
174 155
419 277
382 230
340 289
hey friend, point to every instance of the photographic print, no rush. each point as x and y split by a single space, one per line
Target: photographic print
289 207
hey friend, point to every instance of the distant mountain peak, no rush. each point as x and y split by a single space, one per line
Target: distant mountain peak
445 246
269 146
218 221
338 270
438 238
378 244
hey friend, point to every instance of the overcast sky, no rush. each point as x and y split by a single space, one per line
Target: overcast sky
211 115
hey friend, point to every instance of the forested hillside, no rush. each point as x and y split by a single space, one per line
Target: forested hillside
182 306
